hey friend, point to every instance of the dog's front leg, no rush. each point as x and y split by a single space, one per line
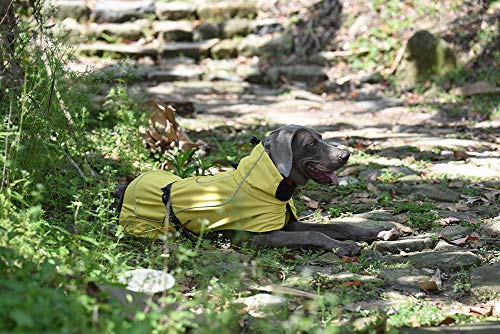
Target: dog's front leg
339 231
306 239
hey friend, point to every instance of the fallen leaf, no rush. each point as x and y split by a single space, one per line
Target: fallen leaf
484 310
447 221
348 259
460 155
352 283
460 206
391 234
434 284
351 170
312 204
465 240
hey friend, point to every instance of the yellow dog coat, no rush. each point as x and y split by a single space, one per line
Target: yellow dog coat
249 198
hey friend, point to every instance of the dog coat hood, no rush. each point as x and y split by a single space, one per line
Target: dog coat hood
244 199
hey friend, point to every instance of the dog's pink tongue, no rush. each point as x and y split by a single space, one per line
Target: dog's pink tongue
333 178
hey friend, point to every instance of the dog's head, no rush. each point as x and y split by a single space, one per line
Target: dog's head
299 153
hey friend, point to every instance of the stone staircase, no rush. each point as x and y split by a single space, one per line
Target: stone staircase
183 40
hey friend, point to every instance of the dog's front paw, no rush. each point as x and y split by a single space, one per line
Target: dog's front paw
349 248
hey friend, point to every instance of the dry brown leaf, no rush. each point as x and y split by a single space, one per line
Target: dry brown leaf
351 170
447 221
312 204
460 206
434 284
350 284
481 310
465 240
348 259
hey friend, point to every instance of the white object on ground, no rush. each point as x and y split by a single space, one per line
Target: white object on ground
147 280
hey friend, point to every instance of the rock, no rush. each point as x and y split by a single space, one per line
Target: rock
412 244
492 227
137 50
403 279
476 88
252 45
71 8
262 302
453 232
435 192
128 30
173 30
189 49
485 327
235 27
442 260
206 30
175 10
410 179
424 56
265 26
370 174
225 10
485 281
364 324
227 48
177 74
250 73
303 73
445 246
310 271
349 277
120 11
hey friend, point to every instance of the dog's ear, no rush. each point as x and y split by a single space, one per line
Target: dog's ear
279 146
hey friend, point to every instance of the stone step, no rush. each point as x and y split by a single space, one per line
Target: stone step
118 11
169 30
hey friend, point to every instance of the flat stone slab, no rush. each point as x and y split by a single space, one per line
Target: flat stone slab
485 281
468 169
435 192
71 8
189 49
442 260
262 301
405 279
173 30
176 74
404 244
175 10
122 49
487 327
224 10
121 11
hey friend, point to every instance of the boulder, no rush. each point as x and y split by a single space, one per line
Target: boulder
492 227
425 55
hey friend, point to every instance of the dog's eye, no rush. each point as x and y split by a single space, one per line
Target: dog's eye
311 144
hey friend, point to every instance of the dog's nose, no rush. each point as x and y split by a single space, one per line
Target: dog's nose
344 156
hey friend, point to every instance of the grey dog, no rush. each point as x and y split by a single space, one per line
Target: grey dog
291 155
